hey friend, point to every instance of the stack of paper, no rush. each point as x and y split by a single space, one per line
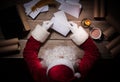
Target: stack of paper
34 14
73 1
72 7
60 23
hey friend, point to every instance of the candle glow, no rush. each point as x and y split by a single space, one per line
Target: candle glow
87 22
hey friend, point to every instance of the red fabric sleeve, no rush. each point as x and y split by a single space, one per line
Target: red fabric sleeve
30 55
90 56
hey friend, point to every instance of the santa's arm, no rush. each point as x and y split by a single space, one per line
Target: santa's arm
30 53
83 40
91 55
31 58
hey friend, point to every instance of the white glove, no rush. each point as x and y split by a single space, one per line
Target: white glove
40 33
47 24
79 35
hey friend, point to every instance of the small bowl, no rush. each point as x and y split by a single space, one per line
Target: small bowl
96 33
86 22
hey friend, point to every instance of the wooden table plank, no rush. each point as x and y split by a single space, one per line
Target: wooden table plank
49 44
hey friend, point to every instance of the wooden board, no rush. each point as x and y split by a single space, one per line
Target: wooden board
23 17
48 45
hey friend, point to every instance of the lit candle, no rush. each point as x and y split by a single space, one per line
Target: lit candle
87 22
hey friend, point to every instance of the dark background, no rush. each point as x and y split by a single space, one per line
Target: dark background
15 69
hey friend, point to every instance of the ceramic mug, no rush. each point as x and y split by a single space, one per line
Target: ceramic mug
96 33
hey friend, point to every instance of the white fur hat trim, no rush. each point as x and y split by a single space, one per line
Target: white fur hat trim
61 62
77 74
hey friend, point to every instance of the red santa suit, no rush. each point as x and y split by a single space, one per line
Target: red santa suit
61 69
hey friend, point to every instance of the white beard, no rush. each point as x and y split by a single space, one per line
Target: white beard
58 52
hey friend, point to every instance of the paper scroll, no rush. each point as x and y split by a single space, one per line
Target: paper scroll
9 45
115 51
9 42
99 9
113 43
109 32
10 48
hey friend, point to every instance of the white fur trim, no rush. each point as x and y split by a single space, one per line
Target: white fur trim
78 75
61 62
80 36
40 33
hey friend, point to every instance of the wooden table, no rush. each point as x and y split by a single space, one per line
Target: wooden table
55 38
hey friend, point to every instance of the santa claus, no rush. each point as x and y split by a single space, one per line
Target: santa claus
60 64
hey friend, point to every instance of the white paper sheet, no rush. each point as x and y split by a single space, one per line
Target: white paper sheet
60 23
37 11
71 8
29 5
60 15
73 1
60 1
33 14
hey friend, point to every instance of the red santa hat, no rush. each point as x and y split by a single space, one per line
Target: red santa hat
62 70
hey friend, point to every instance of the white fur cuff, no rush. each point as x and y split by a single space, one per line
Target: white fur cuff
40 33
80 36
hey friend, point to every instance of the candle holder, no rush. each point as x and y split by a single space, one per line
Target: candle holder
86 22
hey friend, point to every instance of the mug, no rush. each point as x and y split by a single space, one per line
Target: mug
96 33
